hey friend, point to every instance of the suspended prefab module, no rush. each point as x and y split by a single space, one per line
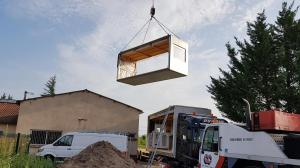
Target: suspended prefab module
177 53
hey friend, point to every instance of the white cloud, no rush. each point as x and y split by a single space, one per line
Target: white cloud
250 13
54 10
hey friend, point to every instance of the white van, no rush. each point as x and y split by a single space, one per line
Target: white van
71 144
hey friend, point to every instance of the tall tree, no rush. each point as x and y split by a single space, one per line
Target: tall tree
260 69
49 89
287 37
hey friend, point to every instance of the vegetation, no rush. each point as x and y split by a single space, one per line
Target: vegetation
264 69
9 159
4 96
49 89
142 141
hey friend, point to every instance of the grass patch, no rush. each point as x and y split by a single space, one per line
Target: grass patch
9 158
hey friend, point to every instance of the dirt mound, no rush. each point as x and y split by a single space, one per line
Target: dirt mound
99 155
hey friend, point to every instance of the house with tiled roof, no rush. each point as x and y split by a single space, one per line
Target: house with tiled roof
9 110
48 117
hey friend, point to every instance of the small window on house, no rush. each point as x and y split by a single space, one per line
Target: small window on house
42 137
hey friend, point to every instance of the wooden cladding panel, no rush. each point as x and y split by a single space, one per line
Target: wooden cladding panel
146 51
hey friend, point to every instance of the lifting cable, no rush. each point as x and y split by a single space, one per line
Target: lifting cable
147 30
164 28
162 25
136 34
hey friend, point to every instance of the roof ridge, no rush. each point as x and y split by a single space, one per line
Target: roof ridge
83 90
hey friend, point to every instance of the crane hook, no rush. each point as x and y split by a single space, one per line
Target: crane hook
152 11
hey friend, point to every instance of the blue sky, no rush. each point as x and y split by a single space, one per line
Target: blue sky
78 40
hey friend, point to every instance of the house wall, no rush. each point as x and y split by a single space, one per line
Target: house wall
79 111
9 128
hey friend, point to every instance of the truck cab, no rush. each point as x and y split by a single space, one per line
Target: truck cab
209 152
228 145
181 135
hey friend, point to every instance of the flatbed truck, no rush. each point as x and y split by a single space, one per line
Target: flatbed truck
269 139
180 139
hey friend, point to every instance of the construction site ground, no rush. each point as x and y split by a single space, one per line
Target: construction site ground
102 155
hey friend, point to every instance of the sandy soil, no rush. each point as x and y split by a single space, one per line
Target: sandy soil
99 155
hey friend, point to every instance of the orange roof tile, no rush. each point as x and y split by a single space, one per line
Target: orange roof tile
9 109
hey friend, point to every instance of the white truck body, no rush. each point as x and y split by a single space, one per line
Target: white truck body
168 142
227 141
70 144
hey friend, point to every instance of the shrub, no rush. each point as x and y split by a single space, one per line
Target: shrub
9 159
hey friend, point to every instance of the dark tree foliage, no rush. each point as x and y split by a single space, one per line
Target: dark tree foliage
49 89
6 97
287 37
264 69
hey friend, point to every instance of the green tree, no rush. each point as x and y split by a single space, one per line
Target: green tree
6 97
287 37
49 89
142 140
259 69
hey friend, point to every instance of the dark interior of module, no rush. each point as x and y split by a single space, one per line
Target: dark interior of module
159 120
189 136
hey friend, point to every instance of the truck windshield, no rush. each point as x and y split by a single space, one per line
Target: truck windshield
197 135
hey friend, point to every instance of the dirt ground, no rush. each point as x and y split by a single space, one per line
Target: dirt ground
99 155
103 155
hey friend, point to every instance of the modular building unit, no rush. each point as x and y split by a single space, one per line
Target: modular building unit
177 66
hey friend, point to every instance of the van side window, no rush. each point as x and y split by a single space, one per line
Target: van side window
211 139
64 141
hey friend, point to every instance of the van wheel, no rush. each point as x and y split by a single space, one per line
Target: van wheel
49 157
